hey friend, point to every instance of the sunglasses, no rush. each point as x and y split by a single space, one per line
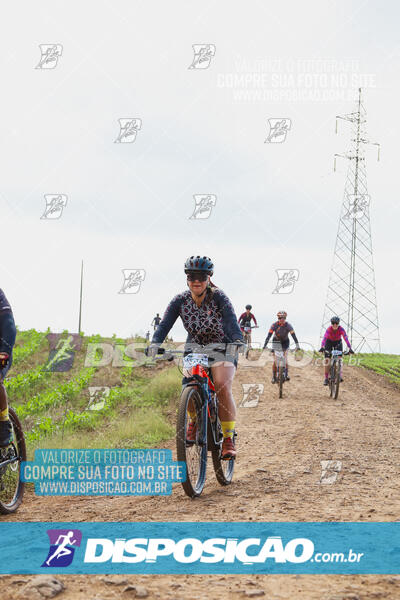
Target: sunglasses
197 276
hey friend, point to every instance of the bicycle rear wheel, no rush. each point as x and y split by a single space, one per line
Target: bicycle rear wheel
11 487
193 454
223 468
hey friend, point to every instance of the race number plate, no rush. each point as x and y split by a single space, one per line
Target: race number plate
193 359
336 352
247 329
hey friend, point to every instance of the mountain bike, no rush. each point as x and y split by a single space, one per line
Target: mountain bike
11 486
199 396
335 372
247 338
281 368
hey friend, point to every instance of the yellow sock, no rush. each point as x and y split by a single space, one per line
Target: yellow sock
228 428
192 414
4 414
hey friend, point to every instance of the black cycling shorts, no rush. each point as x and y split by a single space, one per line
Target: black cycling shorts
332 345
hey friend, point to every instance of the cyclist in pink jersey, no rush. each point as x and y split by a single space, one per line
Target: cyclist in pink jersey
332 340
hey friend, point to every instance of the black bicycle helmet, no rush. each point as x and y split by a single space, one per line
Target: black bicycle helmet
248 306
199 263
335 320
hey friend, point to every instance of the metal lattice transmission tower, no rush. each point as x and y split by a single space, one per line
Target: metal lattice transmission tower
351 291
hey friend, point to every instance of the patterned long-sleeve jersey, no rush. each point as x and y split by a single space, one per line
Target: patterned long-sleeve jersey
213 321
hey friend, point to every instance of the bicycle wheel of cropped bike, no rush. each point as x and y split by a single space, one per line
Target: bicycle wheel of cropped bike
193 454
223 468
11 487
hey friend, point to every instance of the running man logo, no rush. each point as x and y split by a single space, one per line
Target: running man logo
98 397
203 54
55 204
330 470
203 205
251 394
278 129
286 280
128 129
62 351
132 280
357 207
62 550
50 53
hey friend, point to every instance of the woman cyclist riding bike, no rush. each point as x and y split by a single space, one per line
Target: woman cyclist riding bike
209 318
332 340
245 318
280 329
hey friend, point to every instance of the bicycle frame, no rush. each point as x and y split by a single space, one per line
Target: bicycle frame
200 375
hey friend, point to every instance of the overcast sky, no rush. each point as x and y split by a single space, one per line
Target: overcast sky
202 132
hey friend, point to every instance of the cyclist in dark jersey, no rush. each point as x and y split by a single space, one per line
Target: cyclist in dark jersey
245 318
156 321
209 318
8 333
280 330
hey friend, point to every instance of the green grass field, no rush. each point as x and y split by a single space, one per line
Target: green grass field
384 364
56 410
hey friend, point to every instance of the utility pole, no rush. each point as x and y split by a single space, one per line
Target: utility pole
80 300
351 290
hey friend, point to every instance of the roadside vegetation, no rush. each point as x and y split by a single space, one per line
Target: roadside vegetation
89 406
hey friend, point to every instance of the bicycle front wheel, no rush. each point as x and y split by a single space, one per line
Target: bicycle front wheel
223 468
334 380
11 487
337 380
194 453
280 380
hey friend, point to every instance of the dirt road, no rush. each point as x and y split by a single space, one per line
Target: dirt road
278 477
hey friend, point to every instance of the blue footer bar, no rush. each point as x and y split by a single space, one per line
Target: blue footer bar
209 548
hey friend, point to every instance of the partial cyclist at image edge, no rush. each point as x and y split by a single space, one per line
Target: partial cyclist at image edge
332 340
8 334
209 319
280 341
